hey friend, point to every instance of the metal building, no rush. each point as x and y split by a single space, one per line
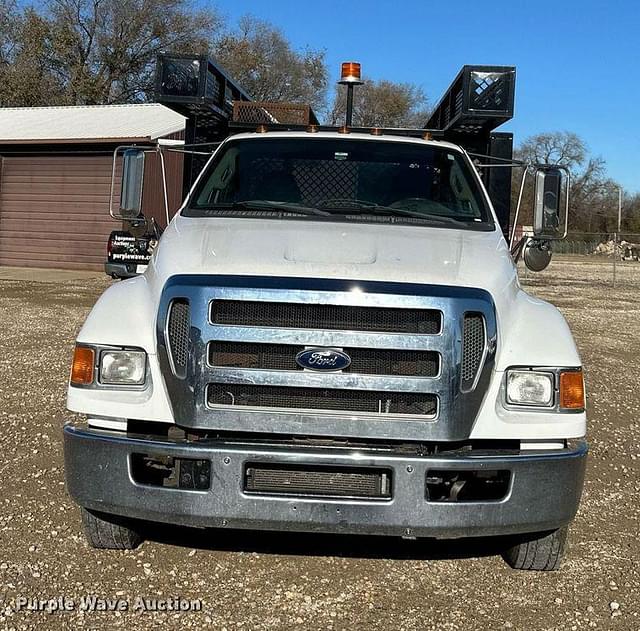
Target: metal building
55 177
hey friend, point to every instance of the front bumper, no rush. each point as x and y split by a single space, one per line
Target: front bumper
544 493
121 270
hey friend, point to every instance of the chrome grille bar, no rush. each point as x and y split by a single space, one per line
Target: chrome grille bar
322 379
317 337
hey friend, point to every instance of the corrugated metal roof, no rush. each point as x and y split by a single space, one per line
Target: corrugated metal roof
87 123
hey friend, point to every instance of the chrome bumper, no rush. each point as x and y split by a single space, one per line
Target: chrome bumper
544 493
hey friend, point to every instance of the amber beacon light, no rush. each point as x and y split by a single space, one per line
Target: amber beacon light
350 75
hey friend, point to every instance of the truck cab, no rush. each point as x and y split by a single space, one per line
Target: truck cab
330 336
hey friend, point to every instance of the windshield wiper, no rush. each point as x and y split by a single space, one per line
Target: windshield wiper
362 206
286 207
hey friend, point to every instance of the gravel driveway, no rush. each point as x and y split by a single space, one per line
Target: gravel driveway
255 580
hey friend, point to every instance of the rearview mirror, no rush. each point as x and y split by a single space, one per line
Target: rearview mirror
547 213
131 186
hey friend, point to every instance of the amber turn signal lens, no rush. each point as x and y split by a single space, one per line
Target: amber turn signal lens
82 366
571 390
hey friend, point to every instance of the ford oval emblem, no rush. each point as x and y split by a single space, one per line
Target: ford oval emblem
323 359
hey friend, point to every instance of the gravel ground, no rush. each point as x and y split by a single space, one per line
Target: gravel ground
255 580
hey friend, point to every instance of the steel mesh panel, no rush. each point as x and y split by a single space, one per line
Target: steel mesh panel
473 344
178 325
331 317
270 112
317 182
370 361
459 100
261 172
489 90
371 401
317 481
326 179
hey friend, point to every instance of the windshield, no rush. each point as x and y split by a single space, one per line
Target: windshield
326 178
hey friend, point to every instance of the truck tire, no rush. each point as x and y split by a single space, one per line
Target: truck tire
542 552
108 532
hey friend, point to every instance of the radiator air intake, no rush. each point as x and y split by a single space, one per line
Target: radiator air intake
473 345
178 324
318 481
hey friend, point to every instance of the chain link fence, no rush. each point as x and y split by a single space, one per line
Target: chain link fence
616 256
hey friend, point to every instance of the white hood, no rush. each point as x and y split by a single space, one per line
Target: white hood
320 249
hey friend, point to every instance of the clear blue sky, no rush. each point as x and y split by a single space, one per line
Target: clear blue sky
578 62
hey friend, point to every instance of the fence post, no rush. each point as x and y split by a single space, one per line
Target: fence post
615 256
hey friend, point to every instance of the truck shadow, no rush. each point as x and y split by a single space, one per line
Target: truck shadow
325 545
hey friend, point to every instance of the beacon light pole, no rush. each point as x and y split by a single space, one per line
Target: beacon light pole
350 76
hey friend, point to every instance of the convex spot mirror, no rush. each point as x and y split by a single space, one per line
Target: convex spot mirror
537 254
131 186
547 214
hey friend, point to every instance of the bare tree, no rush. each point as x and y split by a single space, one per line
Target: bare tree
94 51
591 190
261 59
25 52
104 51
383 104
8 20
631 213
559 147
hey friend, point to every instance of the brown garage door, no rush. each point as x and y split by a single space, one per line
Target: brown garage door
54 211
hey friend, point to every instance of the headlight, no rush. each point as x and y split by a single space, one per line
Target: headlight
123 368
530 387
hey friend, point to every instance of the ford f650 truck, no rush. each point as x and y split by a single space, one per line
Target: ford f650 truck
331 337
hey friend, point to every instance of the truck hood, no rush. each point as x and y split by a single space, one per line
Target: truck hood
320 249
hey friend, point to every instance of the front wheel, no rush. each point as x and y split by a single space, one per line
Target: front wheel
109 531
542 552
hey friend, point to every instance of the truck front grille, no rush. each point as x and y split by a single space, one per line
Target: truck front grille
421 356
323 316
292 398
365 361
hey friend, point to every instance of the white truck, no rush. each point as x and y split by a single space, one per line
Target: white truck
331 337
